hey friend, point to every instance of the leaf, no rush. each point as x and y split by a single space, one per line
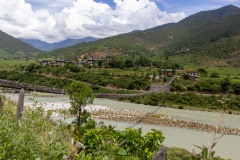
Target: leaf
122 152
212 154
205 153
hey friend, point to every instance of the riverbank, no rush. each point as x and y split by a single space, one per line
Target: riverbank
179 137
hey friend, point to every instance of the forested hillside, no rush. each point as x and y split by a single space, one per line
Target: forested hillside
214 33
12 47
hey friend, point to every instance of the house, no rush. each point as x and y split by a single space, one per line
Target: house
60 62
67 61
45 62
167 73
192 73
81 64
92 60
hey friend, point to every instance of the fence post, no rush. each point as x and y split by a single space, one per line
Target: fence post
161 154
1 104
20 104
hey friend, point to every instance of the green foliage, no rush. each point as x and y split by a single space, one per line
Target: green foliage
104 142
32 137
13 47
186 99
203 72
186 76
205 154
103 78
80 95
225 84
214 75
236 88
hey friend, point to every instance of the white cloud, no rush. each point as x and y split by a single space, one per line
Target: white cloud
81 19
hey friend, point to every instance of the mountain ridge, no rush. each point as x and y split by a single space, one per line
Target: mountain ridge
42 45
199 29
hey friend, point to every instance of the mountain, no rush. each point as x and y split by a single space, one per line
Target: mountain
12 47
44 46
213 33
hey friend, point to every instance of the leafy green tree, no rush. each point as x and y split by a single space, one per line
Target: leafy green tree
165 71
186 76
100 63
203 72
236 88
129 63
214 75
154 76
80 96
30 67
160 72
225 84
143 61
173 71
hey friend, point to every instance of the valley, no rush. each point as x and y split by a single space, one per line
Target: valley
126 96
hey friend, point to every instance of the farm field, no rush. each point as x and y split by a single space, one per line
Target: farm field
12 64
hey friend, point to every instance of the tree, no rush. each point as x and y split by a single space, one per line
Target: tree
174 71
154 76
80 95
203 72
129 63
186 76
214 75
225 84
160 73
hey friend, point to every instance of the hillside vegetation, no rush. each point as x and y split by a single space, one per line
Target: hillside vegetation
214 33
12 47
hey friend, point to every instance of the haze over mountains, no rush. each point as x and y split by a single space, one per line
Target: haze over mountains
44 46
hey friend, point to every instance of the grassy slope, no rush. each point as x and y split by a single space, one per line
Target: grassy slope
12 47
12 64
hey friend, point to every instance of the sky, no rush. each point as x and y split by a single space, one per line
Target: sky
57 20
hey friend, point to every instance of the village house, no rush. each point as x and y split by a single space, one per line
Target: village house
81 64
192 73
45 62
56 62
92 60
169 73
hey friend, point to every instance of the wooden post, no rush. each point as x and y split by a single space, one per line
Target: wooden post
20 104
161 154
1 104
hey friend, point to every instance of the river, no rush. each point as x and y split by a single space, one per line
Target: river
227 147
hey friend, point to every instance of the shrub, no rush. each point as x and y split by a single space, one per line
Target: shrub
214 75
32 137
180 107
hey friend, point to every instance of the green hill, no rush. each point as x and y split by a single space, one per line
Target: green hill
12 47
214 33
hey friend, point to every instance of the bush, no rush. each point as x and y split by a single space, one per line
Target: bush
33 137
101 142
213 108
214 75
180 107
